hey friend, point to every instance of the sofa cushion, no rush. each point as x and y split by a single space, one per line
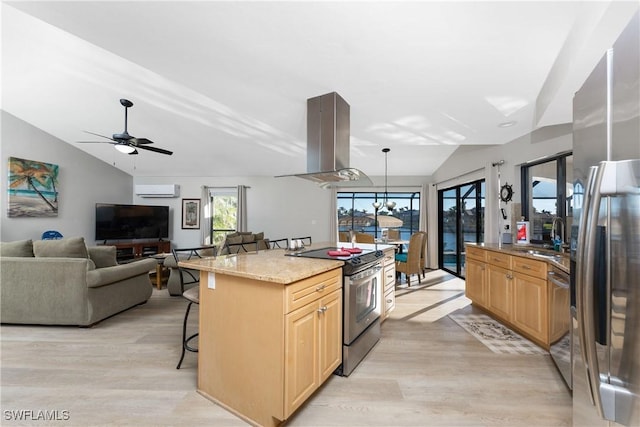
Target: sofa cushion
234 240
103 256
19 248
248 238
73 247
259 236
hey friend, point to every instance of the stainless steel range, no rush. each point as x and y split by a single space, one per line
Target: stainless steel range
361 300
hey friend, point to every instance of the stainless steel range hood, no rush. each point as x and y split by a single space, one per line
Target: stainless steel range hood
328 133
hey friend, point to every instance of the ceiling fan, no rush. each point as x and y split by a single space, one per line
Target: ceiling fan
124 142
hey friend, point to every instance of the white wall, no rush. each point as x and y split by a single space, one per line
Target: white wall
281 207
83 180
470 163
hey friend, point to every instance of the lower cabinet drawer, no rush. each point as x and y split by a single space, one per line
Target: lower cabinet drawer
308 290
389 280
499 259
389 301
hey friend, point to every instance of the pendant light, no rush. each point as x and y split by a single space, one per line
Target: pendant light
389 204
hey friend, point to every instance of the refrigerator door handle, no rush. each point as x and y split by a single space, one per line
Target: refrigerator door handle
580 274
589 349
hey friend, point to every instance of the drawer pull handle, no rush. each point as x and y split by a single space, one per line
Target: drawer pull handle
526 267
322 309
389 301
496 259
320 288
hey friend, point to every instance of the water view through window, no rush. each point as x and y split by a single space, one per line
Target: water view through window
356 212
461 220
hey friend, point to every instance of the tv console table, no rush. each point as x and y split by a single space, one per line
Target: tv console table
130 251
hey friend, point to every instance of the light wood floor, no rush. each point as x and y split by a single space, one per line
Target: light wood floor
425 371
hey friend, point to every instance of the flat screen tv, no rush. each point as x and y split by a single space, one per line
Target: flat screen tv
116 222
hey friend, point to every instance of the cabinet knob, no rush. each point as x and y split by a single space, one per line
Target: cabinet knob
389 301
322 309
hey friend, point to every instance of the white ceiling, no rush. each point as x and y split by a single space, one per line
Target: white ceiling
224 84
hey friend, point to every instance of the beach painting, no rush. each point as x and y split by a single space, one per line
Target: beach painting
33 188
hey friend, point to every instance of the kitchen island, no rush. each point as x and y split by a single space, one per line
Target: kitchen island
270 331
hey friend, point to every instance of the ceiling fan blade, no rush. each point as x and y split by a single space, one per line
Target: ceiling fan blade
157 150
137 141
101 136
95 142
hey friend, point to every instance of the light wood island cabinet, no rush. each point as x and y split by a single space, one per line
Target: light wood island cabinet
270 331
512 289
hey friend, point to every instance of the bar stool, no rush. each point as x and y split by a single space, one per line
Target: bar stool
193 296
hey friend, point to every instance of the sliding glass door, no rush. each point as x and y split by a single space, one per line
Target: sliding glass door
461 220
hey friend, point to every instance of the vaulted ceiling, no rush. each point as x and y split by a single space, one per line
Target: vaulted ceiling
224 84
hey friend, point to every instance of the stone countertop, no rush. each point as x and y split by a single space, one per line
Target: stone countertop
269 265
556 259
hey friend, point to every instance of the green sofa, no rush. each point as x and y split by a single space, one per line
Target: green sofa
64 282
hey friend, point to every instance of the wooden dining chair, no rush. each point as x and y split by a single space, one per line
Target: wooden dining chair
365 238
393 234
409 262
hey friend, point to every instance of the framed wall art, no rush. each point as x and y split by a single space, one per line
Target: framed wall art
33 188
191 214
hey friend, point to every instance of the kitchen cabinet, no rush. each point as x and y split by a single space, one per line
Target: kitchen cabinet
476 281
313 347
530 298
512 289
389 283
500 285
265 346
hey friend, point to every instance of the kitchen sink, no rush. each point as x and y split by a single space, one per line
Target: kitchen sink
542 254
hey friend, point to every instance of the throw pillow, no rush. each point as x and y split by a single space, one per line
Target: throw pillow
73 247
103 256
20 248
259 236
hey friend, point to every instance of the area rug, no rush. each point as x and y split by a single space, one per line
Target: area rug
495 336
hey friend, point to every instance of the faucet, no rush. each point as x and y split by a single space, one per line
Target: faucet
554 232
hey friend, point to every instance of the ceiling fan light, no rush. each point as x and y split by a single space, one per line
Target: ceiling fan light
124 148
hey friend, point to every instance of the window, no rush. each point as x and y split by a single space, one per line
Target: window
356 212
222 213
547 193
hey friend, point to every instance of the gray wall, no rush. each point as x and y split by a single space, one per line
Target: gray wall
83 180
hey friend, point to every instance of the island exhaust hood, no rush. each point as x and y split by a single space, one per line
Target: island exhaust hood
328 133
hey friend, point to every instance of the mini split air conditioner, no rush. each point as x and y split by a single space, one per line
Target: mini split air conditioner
165 190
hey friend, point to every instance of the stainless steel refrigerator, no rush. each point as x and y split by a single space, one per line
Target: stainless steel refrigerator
605 239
